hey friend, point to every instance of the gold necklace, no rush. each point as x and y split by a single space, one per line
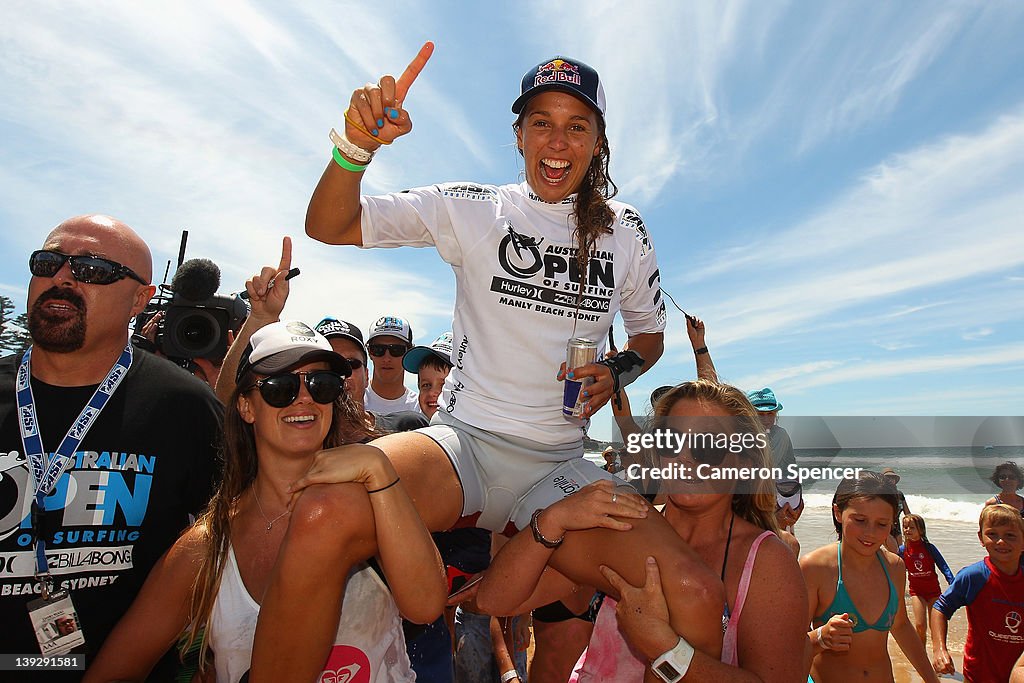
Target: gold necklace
270 522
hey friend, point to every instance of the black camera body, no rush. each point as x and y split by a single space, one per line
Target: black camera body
196 320
199 329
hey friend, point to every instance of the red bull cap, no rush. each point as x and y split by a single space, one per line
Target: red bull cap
565 74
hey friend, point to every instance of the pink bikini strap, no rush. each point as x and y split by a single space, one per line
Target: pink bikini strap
748 568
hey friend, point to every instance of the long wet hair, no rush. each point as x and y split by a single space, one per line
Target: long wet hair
918 522
757 503
590 211
866 486
240 465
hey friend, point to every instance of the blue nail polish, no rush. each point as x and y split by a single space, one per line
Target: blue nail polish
586 394
393 113
380 123
569 374
374 131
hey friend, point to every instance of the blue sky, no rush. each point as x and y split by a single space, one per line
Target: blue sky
836 187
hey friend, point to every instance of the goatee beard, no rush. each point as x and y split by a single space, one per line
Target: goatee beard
53 333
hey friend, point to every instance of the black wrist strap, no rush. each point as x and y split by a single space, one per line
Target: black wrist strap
701 350
625 367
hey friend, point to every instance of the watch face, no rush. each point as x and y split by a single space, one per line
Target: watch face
667 672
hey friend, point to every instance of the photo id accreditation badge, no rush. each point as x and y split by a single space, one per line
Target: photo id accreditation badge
56 624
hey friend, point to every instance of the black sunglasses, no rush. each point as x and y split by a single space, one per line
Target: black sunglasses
378 350
92 270
356 363
324 386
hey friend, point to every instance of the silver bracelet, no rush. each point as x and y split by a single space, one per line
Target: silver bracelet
350 149
509 675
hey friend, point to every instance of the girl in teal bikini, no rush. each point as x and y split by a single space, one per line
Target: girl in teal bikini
855 590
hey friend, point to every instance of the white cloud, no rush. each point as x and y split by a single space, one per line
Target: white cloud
979 333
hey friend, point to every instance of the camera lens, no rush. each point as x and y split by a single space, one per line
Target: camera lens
193 333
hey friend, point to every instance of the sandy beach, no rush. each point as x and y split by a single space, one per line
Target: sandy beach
958 543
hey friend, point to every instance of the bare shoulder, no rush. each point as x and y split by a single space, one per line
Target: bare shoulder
819 564
189 550
894 563
991 501
775 560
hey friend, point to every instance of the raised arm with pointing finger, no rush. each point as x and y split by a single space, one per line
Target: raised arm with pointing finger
536 263
375 117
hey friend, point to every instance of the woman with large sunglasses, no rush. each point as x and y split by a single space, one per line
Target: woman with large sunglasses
1008 477
729 522
289 403
537 263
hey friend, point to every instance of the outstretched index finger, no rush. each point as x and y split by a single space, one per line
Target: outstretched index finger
412 71
286 254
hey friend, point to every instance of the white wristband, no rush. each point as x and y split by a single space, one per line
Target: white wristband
509 675
349 148
671 666
820 641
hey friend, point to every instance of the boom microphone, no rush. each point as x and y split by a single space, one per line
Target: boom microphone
196 279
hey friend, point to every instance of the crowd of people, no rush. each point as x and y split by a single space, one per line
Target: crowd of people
307 519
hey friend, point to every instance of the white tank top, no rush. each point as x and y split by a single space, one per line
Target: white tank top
369 646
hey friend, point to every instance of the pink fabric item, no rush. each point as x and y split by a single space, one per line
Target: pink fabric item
609 657
730 652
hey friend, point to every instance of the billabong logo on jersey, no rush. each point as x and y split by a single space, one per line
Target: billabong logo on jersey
557 71
1013 620
28 423
110 383
631 219
919 565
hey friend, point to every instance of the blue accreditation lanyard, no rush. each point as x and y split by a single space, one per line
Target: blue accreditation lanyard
45 474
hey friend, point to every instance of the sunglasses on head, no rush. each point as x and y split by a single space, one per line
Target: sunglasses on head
378 350
324 386
92 270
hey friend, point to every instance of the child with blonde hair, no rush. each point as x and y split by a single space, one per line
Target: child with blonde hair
921 559
993 592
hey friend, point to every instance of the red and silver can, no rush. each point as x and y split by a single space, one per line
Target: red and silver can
578 352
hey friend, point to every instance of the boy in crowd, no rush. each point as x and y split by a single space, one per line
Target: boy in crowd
993 592
431 365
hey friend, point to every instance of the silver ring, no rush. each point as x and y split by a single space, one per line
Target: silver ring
615 497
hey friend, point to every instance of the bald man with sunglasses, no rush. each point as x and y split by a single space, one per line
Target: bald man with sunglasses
106 450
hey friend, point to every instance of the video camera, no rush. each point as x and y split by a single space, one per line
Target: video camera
196 319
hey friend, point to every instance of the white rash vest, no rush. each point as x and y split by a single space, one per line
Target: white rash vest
515 302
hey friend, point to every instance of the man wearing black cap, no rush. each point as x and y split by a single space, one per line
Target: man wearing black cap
107 450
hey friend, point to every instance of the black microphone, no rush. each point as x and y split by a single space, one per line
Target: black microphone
196 279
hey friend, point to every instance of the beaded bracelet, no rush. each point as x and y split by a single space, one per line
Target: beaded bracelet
350 149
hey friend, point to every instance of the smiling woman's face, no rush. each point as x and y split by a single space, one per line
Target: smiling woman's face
559 136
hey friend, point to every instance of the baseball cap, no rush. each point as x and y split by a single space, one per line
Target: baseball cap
764 400
566 74
332 327
285 344
392 326
440 347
